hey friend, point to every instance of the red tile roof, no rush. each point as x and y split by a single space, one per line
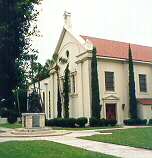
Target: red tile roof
145 101
115 49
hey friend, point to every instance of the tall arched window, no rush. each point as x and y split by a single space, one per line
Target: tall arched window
67 54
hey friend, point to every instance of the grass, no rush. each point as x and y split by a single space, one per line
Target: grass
11 125
84 128
1 131
135 137
59 128
47 149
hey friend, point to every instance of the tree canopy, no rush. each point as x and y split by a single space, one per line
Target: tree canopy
16 23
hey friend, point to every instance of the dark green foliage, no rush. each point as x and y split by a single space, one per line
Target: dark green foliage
131 122
93 122
12 116
15 22
3 113
34 103
113 122
139 121
107 122
150 121
11 119
46 122
54 122
40 72
81 121
61 122
66 92
102 122
144 121
125 122
96 107
70 122
59 104
132 93
51 122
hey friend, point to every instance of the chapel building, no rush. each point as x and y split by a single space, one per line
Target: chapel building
113 75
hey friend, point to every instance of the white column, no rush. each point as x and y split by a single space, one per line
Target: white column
80 90
46 101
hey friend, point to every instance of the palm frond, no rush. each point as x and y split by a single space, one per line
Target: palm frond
63 60
55 57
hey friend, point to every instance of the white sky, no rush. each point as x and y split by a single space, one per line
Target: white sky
121 20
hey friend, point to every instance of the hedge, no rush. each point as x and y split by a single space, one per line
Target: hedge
137 121
81 121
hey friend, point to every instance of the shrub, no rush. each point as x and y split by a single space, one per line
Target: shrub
82 121
94 122
107 122
131 122
138 121
11 119
12 113
70 122
102 122
46 122
112 122
144 121
4 113
125 122
61 122
53 122
150 121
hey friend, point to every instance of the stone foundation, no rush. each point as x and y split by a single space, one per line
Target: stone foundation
33 120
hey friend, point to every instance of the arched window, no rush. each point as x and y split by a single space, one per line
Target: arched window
67 54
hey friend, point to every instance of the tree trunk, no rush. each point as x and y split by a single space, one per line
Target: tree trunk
61 95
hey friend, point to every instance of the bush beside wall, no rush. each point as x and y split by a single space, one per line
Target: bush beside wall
82 121
150 121
131 122
70 122
93 122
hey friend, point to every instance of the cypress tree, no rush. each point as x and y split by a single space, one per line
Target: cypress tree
96 108
132 95
66 92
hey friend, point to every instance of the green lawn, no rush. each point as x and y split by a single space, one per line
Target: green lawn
84 128
11 125
1 131
59 128
44 149
136 137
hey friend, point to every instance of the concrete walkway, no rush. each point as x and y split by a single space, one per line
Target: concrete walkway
106 148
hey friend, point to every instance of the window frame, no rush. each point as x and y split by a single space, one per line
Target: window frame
111 81
143 83
73 83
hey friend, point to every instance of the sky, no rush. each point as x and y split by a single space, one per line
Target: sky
120 20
